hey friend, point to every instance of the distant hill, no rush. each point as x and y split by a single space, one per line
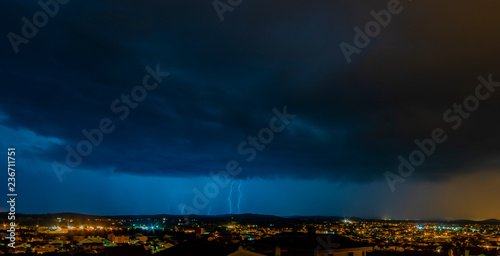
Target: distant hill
249 218
491 221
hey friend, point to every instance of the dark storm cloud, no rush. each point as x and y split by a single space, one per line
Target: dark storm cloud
353 120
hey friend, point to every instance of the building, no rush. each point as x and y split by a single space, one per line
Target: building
243 252
356 251
93 239
122 239
44 248
308 244
20 249
143 239
78 238
90 247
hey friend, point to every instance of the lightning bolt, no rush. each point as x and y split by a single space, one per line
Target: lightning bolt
229 198
239 198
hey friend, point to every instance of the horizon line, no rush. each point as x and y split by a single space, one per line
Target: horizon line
288 216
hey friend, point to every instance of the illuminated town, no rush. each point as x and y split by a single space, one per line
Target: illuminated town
250 128
248 234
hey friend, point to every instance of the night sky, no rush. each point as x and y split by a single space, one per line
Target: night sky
227 80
